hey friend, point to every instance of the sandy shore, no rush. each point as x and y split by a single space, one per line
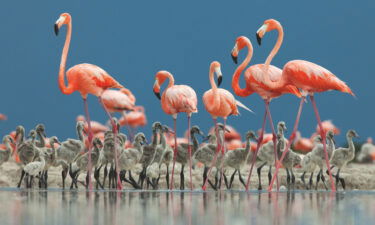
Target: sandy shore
357 177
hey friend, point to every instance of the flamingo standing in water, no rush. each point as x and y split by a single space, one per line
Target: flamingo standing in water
176 99
219 103
86 79
309 78
260 78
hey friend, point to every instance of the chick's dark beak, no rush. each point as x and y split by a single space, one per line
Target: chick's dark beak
259 39
234 58
56 29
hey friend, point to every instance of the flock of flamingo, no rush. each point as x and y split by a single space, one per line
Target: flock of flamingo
99 147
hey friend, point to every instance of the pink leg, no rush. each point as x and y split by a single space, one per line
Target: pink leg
171 186
189 150
114 128
223 151
89 136
260 139
323 135
215 157
290 141
273 137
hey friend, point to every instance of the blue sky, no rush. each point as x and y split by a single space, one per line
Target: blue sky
132 40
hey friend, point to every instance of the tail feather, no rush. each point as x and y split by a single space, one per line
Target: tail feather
240 104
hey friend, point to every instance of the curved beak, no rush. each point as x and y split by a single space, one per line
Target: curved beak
234 54
226 130
157 94
234 58
219 80
56 27
58 24
259 39
260 33
44 134
219 75
156 89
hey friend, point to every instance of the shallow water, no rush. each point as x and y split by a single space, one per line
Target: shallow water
140 207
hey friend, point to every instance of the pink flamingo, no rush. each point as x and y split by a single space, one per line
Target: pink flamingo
118 100
176 99
133 119
96 127
302 144
309 78
327 126
3 117
262 79
219 103
86 79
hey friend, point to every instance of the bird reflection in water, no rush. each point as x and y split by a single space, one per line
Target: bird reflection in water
140 207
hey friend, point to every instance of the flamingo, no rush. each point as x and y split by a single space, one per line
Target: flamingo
3 117
134 119
261 79
302 144
219 103
86 79
118 100
96 127
176 99
327 126
309 78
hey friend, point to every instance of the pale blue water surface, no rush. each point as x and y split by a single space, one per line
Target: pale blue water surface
140 207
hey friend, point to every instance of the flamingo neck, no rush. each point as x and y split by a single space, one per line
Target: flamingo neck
243 92
216 98
80 134
248 145
8 147
154 138
65 89
170 78
277 46
42 142
163 142
195 142
350 144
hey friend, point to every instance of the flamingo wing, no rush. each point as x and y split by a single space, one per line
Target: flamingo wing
100 76
311 77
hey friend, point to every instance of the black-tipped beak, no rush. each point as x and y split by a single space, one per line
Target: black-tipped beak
206 138
234 58
56 29
157 95
201 134
219 80
226 130
259 39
